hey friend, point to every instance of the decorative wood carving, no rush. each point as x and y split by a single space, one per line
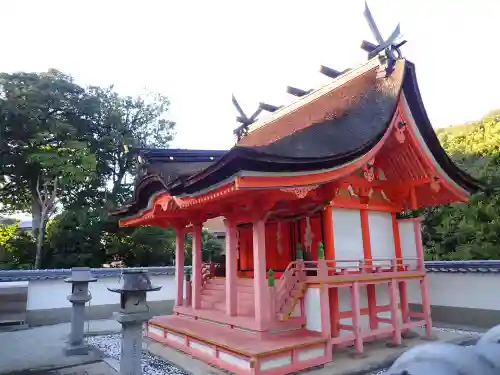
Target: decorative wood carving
308 235
351 191
300 192
400 128
369 171
435 184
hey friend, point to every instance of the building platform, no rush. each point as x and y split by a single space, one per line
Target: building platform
242 352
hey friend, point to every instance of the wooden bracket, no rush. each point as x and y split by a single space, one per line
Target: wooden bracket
400 128
369 171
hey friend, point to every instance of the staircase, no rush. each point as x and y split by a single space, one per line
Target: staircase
290 288
213 296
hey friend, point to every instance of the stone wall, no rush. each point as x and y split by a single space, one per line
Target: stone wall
462 293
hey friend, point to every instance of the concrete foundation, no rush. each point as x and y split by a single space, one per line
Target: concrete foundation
462 316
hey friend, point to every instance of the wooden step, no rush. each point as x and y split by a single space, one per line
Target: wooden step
222 280
247 294
222 288
211 298
242 310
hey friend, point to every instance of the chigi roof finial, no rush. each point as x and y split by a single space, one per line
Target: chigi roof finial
389 46
244 120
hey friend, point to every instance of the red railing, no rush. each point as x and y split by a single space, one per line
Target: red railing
326 268
299 271
290 280
208 271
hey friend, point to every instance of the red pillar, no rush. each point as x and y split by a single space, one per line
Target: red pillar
328 233
403 297
197 266
426 307
396 325
417 227
334 311
367 251
398 252
259 274
179 265
356 318
231 265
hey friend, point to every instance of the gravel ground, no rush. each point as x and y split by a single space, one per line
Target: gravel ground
151 365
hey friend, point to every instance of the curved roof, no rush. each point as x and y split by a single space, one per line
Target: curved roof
327 128
412 94
330 130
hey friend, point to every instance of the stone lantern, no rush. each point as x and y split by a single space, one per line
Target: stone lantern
134 311
80 279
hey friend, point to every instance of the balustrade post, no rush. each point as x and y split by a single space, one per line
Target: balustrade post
179 265
259 280
322 266
197 266
188 301
231 267
211 269
362 266
272 295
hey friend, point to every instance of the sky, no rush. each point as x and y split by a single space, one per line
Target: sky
198 52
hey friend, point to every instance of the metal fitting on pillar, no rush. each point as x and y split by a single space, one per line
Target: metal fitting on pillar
134 311
80 279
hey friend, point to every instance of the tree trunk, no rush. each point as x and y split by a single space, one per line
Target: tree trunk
36 213
39 240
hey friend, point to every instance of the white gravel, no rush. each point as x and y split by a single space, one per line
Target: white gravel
153 365
110 345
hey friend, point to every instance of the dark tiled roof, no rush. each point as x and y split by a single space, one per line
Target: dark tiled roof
58 274
345 119
464 266
172 164
460 266
160 167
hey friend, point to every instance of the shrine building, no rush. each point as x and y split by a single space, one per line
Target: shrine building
317 257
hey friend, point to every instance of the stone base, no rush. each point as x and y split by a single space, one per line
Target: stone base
432 338
82 349
409 334
358 355
393 345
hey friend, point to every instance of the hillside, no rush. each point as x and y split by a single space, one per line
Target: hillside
470 231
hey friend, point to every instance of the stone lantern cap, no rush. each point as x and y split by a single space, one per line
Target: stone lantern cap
80 275
135 281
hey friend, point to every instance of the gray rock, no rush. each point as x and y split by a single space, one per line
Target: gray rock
441 358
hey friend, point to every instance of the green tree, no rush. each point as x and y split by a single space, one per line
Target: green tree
468 231
44 127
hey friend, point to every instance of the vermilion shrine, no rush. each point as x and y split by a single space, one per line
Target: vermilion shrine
316 256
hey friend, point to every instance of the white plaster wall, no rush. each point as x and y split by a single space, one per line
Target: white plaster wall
52 294
381 237
345 305
408 245
460 290
347 237
313 309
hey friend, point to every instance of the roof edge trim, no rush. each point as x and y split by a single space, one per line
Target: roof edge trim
459 190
